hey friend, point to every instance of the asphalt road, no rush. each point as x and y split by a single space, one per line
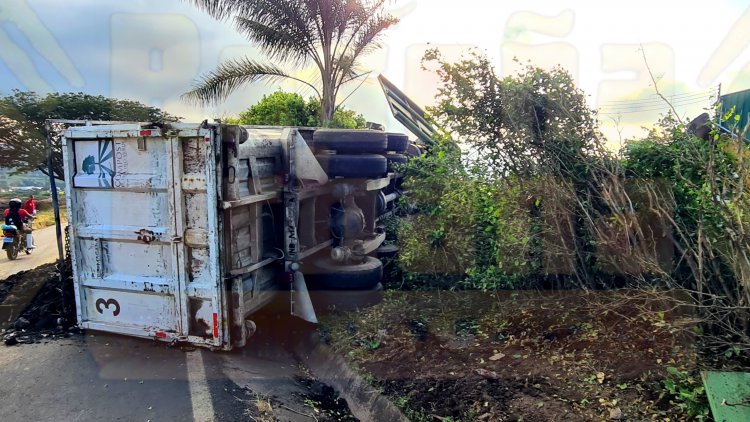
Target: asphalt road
45 252
102 377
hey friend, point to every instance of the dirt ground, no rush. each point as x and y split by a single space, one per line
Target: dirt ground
466 356
531 356
36 306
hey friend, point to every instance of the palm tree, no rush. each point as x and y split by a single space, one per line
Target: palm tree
331 34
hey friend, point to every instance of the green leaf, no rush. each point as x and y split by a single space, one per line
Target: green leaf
686 394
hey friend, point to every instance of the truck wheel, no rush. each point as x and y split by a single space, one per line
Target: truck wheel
386 252
347 300
380 203
395 160
413 151
363 166
397 142
328 275
350 140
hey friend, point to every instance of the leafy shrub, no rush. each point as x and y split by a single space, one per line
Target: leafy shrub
688 393
290 109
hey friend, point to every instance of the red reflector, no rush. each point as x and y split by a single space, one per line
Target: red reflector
160 334
216 325
146 133
207 139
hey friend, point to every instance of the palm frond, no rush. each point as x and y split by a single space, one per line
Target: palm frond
223 9
218 84
283 44
363 38
367 38
333 34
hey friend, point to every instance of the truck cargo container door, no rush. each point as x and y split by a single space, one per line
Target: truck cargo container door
197 219
121 213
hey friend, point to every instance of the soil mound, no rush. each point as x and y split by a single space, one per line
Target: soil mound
37 305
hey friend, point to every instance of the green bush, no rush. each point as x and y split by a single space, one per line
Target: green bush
290 109
688 393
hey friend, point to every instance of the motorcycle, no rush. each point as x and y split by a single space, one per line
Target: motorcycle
14 241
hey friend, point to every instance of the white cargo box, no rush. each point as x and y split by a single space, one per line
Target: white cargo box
178 233
143 231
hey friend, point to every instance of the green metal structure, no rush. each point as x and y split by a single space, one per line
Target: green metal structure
407 112
740 101
729 395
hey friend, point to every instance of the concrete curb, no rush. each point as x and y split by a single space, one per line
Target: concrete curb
365 402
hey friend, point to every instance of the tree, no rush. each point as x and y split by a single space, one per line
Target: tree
709 207
290 109
23 142
533 127
532 123
278 109
331 34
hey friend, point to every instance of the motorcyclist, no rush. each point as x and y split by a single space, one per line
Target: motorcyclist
30 205
15 215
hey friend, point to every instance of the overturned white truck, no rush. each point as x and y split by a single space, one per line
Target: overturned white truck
180 232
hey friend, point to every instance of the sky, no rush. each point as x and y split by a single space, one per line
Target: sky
153 51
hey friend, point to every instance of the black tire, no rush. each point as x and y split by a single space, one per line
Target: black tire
363 166
12 252
380 203
350 140
328 275
413 151
386 252
397 142
346 300
395 160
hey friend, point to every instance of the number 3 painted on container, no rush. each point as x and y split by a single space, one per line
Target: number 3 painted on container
101 303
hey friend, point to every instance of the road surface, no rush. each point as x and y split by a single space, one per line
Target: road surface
102 377
45 252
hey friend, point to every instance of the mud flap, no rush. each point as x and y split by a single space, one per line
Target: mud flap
307 166
302 306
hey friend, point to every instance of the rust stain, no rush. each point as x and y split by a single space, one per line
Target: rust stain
146 236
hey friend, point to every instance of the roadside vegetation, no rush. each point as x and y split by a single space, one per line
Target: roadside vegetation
543 276
45 215
23 135
290 109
